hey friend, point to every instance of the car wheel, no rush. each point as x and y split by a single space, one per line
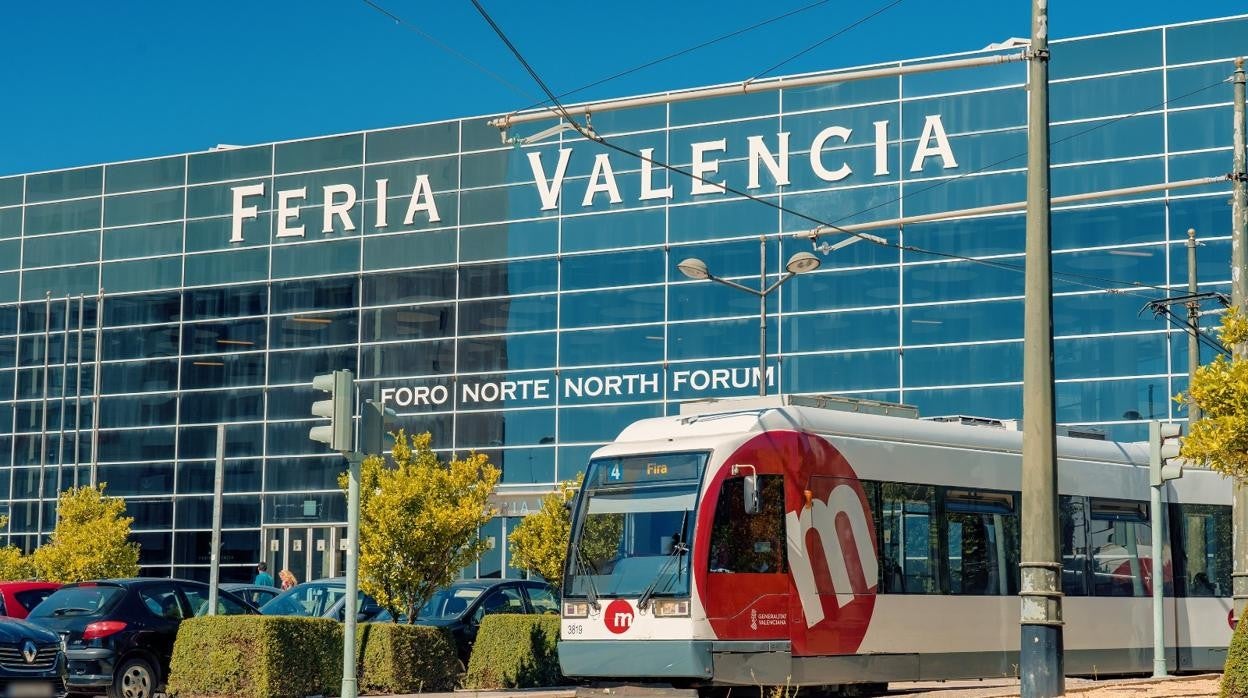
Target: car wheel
135 679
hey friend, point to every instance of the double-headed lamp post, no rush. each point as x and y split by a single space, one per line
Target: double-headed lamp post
799 263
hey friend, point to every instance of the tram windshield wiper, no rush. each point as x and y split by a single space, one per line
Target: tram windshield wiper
587 572
678 550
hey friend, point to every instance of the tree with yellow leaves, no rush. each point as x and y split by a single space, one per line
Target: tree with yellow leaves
540 542
91 539
419 522
14 566
1220 390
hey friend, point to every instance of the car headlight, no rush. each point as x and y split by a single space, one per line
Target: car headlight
671 608
575 609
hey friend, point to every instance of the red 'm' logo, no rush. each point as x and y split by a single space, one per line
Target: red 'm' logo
618 616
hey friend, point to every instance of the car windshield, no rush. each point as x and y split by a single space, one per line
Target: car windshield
306 599
634 521
78 601
448 604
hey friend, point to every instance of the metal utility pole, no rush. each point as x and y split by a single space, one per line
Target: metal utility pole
1040 650
1239 292
43 436
95 383
218 486
1193 319
762 316
350 686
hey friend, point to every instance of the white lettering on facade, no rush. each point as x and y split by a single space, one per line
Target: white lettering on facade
718 378
821 517
647 178
602 170
422 200
816 154
242 212
702 167
285 212
342 209
881 148
933 142
383 185
765 159
777 165
548 190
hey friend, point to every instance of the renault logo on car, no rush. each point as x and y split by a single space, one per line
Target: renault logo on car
29 651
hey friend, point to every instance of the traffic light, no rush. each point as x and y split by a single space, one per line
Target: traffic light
341 387
376 422
1164 440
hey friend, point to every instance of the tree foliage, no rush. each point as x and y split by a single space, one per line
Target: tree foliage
540 542
419 521
14 565
91 539
1220 390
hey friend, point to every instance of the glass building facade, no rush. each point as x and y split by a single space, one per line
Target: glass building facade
522 299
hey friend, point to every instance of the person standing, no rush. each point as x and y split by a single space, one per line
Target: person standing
288 579
263 578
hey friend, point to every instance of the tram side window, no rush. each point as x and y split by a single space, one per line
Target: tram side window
1074 543
1120 540
742 542
1204 532
981 535
908 539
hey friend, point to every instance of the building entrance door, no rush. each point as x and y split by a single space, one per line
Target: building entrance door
309 552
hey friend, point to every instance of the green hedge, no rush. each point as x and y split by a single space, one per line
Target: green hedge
1235 673
515 651
292 657
405 659
257 657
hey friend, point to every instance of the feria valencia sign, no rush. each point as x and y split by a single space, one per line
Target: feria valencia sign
764 156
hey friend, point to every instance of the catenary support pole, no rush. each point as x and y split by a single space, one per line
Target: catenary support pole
1193 319
218 487
350 611
1040 651
1158 581
1239 286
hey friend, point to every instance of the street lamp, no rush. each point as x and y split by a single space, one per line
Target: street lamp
799 263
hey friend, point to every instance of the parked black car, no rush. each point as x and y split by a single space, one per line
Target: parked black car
119 633
460 607
255 594
32 664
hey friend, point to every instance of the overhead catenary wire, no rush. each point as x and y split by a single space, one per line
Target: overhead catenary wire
1069 277
826 39
448 49
682 52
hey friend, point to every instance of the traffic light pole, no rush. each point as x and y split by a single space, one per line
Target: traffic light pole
1163 449
350 688
1159 627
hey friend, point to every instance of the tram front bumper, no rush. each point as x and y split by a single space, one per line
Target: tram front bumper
659 659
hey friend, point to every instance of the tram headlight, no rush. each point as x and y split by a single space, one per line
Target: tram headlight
671 608
575 609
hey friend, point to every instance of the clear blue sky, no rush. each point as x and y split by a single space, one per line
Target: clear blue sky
88 82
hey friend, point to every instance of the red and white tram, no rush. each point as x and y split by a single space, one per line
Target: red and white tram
807 541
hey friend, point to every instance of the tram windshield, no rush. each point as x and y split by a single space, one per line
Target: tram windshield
635 520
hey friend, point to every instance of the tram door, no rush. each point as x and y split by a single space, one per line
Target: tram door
309 552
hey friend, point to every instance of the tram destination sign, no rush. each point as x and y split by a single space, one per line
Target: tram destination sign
767 157
639 469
